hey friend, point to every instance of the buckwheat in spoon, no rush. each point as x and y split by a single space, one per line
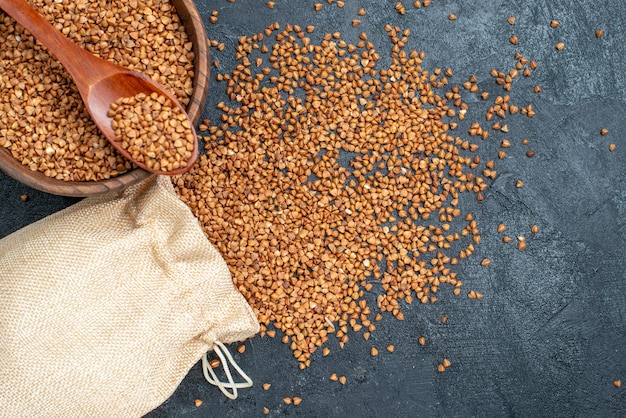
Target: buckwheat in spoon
144 122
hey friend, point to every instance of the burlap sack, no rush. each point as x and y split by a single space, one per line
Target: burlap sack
106 305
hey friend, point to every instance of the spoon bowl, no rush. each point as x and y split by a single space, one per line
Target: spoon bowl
127 84
100 82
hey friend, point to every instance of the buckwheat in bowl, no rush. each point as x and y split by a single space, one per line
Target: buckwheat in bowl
47 138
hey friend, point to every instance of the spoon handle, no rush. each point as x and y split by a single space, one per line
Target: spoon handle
74 59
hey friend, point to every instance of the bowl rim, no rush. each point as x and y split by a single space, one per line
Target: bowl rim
194 26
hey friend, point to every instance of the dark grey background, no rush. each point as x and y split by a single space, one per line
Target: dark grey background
548 339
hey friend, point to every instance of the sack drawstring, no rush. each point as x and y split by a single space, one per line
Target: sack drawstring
221 350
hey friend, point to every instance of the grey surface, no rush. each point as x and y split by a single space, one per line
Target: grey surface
548 339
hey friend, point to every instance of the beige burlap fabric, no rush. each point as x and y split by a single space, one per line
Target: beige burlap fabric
106 305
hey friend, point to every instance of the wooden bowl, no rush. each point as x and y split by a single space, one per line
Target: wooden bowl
195 29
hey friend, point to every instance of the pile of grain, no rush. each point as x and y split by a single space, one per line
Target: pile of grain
331 177
153 130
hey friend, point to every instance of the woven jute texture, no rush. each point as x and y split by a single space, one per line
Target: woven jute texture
106 305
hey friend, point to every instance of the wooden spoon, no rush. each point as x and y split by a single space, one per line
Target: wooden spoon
99 82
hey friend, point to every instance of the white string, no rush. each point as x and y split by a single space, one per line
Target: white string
209 374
